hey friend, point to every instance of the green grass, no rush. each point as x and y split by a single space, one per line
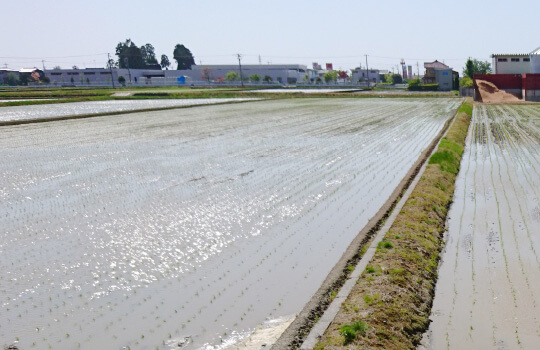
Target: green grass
351 331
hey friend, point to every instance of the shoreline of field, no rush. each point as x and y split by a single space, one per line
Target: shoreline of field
296 333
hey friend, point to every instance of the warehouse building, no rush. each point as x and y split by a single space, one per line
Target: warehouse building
282 74
518 63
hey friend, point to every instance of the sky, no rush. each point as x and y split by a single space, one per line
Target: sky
76 32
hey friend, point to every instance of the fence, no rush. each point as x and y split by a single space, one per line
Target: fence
531 87
466 92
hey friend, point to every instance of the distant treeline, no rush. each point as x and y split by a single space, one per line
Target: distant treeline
144 57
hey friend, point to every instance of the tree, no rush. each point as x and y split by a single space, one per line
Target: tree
148 54
305 79
165 63
111 64
129 55
474 66
254 78
232 76
206 74
466 82
122 80
267 79
342 75
74 67
45 80
414 82
11 79
183 57
397 79
57 67
330 76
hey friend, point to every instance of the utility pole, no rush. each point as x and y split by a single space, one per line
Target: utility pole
367 71
43 63
417 70
259 59
110 68
126 61
240 65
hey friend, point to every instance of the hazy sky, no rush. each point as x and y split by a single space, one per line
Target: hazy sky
77 32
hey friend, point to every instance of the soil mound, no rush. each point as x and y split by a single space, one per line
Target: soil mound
491 94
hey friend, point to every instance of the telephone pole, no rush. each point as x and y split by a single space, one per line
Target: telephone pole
367 71
240 65
43 63
126 61
110 68
417 70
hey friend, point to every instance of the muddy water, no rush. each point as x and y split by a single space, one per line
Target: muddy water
190 226
488 292
92 107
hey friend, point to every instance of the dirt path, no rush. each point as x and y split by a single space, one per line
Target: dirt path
488 292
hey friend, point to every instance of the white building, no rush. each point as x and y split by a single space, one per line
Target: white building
519 63
362 75
283 74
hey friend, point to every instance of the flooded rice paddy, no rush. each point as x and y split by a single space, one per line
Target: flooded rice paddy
93 107
488 292
305 91
191 226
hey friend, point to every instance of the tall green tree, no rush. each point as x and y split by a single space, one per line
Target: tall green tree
129 55
148 54
474 66
183 57
165 63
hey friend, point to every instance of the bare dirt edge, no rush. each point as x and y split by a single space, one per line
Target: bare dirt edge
294 335
103 114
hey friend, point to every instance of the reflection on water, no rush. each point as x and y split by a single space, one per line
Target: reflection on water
93 107
149 229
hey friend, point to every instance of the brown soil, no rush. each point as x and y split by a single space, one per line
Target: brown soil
491 94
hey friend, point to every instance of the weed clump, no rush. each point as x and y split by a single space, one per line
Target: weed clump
351 331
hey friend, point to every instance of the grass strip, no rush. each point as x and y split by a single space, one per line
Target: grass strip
394 295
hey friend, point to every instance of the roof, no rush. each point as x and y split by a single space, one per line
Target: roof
435 64
510 54
536 51
27 70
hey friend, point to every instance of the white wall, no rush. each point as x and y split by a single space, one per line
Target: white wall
510 67
535 64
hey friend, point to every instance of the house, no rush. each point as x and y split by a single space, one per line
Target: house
430 77
439 73
362 75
